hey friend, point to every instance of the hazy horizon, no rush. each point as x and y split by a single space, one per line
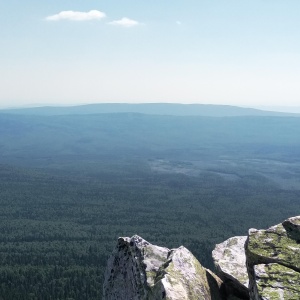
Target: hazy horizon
177 121
284 109
227 53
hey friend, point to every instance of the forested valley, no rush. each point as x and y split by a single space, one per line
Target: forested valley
70 185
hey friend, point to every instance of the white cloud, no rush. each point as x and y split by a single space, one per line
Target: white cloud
77 16
125 22
178 23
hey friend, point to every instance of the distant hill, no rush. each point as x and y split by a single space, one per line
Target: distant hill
149 108
30 138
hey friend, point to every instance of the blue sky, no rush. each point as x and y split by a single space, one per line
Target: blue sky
219 52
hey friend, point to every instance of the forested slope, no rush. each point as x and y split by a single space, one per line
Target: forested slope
71 185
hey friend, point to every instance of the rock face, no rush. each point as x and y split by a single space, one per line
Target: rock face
139 270
230 262
273 261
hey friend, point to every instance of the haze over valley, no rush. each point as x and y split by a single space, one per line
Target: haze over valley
74 179
176 121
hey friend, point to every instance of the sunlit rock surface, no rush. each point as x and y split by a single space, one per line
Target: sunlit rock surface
139 270
273 261
230 262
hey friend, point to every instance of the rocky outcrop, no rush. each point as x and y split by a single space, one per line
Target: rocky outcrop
273 261
139 270
270 258
230 262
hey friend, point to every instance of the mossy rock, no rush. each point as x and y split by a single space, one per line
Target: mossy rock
273 261
276 282
139 270
274 245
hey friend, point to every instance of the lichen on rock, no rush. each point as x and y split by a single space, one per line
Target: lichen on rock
139 270
132 269
277 282
273 261
230 262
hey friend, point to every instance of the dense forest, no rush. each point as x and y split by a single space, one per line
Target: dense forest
70 185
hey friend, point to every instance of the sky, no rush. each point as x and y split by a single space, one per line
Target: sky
232 52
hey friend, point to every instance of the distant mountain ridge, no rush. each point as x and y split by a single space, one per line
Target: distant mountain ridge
149 108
